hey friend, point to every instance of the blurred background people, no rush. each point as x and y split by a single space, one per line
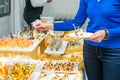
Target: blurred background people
33 9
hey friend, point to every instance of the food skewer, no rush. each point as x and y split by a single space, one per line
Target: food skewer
53 43
58 44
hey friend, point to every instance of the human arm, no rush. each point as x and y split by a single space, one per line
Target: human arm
78 20
45 27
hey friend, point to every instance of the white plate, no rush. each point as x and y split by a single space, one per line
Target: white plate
59 65
25 50
59 52
80 35
30 49
37 71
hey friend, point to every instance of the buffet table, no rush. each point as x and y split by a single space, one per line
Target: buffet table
73 53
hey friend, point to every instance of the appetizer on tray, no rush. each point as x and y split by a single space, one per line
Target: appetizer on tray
17 45
56 47
60 66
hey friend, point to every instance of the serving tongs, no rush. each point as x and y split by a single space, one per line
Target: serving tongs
76 29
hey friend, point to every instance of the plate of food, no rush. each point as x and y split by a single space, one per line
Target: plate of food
56 47
61 76
18 45
82 35
60 66
31 34
24 41
21 69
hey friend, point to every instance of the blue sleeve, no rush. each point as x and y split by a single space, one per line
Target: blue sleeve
78 20
115 32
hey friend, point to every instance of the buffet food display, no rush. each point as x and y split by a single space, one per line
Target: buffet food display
25 41
28 69
19 69
10 43
31 34
60 66
18 45
56 48
61 76
60 59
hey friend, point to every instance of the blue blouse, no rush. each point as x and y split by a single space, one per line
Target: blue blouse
104 14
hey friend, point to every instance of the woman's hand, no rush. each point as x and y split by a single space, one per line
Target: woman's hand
43 26
98 36
48 1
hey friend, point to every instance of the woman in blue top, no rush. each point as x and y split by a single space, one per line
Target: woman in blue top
101 56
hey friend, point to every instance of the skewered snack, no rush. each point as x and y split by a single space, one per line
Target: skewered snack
58 49
58 44
53 43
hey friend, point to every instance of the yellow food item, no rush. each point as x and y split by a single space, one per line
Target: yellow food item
3 71
21 71
11 43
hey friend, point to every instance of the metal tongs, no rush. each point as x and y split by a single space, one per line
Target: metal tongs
76 29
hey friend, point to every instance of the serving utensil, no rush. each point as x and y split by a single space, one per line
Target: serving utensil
77 29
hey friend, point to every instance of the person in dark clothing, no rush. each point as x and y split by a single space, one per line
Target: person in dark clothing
31 12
